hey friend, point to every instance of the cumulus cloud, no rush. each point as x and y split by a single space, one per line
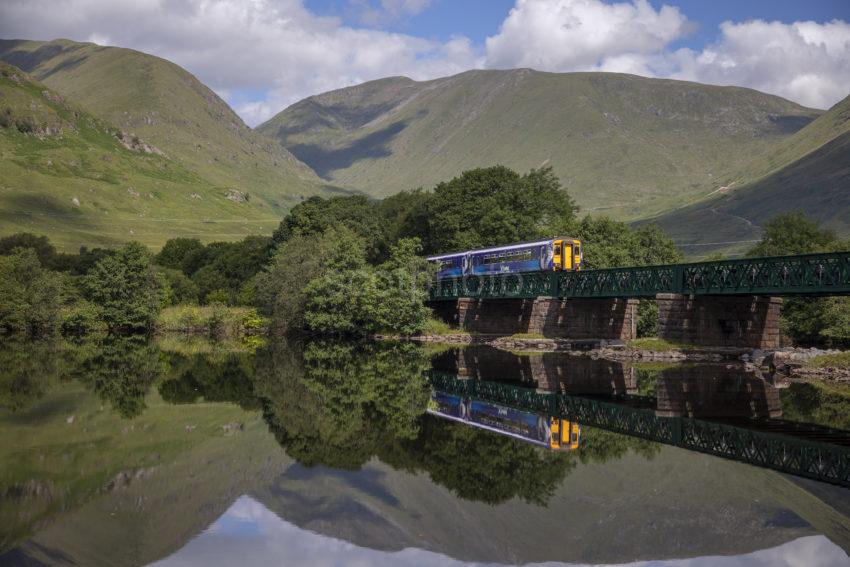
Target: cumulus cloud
276 48
262 55
558 35
806 62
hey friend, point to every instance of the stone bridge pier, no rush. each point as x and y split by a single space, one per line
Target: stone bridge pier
746 321
602 318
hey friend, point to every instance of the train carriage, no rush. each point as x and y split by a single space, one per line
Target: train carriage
562 253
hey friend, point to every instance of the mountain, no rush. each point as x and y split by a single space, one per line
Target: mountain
809 172
217 178
628 145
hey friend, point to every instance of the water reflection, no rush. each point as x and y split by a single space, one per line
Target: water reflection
148 444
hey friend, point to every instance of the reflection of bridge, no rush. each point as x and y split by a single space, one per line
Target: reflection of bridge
601 303
806 450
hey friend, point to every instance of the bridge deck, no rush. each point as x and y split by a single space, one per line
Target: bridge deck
807 274
808 450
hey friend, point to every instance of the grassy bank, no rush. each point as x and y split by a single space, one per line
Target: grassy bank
213 320
838 360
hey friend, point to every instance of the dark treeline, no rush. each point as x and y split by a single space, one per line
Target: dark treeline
354 266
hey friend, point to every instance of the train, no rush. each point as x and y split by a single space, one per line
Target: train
538 429
559 253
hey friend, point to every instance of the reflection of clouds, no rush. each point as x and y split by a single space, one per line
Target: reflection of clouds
250 534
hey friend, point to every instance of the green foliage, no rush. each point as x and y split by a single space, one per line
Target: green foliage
389 298
220 268
177 288
490 206
41 245
299 260
80 318
839 360
815 401
30 295
647 321
316 215
608 243
214 320
125 289
794 233
807 320
177 252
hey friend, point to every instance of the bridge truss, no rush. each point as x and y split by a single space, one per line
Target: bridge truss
807 450
807 274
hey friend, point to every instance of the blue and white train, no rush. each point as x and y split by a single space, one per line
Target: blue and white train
562 253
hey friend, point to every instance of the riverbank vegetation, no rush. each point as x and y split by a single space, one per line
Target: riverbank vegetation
350 266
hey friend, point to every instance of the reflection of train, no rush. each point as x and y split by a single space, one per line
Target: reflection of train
562 253
543 430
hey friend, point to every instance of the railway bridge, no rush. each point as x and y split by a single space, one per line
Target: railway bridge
719 303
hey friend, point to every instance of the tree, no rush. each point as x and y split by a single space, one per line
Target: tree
495 205
794 233
356 213
806 319
178 288
177 251
30 295
389 298
44 250
279 290
125 288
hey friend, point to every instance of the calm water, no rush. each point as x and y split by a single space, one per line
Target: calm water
181 452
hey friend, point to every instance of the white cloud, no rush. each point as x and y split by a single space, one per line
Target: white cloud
276 49
263 55
806 62
558 35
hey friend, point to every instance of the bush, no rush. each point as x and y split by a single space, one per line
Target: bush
213 320
25 125
125 288
30 296
6 119
177 288
647 318
79 319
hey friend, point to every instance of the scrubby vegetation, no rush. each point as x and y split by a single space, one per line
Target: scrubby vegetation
348 266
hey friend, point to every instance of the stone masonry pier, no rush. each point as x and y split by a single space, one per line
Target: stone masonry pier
746 321
602 318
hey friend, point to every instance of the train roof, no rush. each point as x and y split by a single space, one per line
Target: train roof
495 248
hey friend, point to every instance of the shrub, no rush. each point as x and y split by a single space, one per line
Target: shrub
25 125
647 318
30 296
79 319
6 119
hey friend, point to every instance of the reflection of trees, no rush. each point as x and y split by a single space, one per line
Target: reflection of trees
336 404
824 403
27 369
226 377
480 465
121 370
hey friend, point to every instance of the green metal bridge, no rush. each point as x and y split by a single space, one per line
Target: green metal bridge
806 274
801 449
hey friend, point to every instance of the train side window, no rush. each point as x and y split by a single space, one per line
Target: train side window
558 249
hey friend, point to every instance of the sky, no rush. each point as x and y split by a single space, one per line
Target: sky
263 55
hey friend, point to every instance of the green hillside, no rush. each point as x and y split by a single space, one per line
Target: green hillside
209 165
808 172
622 144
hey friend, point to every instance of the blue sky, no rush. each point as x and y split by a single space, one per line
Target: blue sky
477 19
264 55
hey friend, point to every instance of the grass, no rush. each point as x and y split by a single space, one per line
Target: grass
840 360
438 328
527 336
214 320
658 345
125 194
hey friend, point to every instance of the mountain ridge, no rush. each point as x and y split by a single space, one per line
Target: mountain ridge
631 145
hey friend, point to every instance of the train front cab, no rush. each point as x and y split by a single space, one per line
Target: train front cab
565 434
567 254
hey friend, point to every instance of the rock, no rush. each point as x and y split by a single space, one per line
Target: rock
75 202
70 420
